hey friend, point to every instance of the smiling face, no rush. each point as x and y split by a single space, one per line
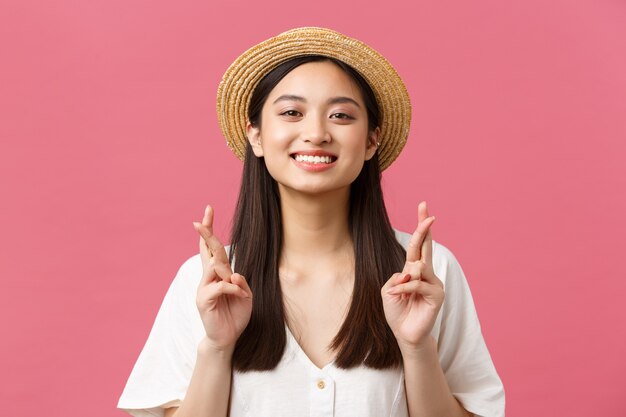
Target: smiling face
314 133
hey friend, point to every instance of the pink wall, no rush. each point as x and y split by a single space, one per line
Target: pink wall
110 148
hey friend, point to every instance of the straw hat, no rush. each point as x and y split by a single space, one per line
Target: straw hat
241 78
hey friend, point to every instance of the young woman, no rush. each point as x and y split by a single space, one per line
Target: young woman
318 307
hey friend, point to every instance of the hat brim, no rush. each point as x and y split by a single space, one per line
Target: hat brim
243 75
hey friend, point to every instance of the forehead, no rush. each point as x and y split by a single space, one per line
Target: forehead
317 79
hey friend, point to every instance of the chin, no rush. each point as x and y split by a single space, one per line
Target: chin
313 188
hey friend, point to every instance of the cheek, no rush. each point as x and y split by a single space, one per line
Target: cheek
275 136
276 139
357 143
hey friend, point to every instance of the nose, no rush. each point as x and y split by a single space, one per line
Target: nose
314 130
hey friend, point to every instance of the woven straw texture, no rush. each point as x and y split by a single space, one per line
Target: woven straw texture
240 79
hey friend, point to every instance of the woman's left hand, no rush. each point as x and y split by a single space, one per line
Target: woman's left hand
412 298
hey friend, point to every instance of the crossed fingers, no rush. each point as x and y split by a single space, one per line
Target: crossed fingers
421 244
212 250
419 263
418 275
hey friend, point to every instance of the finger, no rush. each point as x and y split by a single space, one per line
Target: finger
414 249
427 247
416 286
205 236
405 278
415 269
419 271
223 287
422 211
223 271
241 281
204 249
393 280
211 269
206 230
207 219
417 238
208 271
216 251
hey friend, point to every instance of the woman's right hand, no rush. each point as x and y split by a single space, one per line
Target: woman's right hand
224 298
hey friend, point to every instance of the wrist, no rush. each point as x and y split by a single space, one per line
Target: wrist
423 349
207 348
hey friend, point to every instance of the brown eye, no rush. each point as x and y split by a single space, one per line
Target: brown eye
341 116
291 113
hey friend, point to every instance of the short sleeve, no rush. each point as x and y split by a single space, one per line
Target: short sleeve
463 354
161 375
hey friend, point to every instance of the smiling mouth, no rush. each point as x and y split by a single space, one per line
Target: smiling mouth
314 159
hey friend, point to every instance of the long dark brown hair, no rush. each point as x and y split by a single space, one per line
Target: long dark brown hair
256 244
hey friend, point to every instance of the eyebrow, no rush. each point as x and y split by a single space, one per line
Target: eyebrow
332 100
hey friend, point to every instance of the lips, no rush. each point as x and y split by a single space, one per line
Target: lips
314 157
314 161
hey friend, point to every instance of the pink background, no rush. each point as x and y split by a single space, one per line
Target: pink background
110 149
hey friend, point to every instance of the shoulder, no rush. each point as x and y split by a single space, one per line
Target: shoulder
190 271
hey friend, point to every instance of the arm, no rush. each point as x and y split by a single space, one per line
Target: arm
209 387
411 301
224 301
177 367
427 391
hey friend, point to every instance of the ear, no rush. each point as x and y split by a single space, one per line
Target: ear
372 144
254 137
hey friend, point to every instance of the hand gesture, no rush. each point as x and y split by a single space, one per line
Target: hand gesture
412 298
224 299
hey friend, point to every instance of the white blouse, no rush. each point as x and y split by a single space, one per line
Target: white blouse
297 387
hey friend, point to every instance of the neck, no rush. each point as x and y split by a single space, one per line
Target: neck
315 226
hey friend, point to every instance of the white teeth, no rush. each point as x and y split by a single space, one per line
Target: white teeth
314 159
